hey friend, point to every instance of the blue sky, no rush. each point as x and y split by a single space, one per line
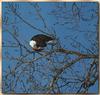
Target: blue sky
71 30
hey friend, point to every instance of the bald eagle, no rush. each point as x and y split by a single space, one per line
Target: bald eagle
38 42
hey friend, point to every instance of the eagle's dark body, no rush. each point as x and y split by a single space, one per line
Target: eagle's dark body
38 42
41 40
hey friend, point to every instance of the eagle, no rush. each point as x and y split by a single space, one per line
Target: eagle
40 41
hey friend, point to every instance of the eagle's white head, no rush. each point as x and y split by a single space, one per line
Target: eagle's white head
32 44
